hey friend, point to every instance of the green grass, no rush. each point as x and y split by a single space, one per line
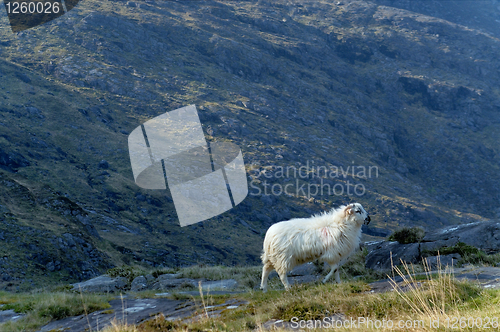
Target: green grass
307 301
317 301
438 294
355 268
459 248
41 307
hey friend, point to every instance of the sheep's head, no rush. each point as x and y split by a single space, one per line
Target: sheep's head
357 212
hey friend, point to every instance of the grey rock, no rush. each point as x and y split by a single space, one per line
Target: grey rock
9 315
149 278
50 266
219 284
101 284
135 310
169 283
484 235
13 160
304 279
168 276
248 105
436 245
302 270
138 284
379 256
374 231
447 260
70 240
262 217
487 277
103 164
33 111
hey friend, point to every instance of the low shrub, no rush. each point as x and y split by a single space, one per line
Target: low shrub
301 310
128 272
407 235
158 324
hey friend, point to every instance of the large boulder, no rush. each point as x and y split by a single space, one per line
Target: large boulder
379 256
101 284
226 284
484 235
138 284
168 282
443 261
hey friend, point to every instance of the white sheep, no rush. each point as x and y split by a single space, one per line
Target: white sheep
330 237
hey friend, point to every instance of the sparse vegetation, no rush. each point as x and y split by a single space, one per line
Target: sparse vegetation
247 277
41 307
158 324
468 253
128 272
158 272
317 301
418 298
355 268
407 235
438 296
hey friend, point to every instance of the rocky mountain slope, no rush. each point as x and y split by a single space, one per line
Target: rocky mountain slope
482 15
350 85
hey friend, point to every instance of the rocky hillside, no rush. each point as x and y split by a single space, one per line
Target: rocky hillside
409 102
482 15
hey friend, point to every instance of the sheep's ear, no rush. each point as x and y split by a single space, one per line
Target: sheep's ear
349 209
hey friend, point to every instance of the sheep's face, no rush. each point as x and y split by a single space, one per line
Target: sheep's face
357 213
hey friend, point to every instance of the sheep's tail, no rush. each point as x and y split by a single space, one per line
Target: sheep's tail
264 258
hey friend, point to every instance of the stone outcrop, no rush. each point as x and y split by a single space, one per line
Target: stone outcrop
484 235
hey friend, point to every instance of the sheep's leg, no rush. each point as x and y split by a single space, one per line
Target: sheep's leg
334 269
268 267
284 280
